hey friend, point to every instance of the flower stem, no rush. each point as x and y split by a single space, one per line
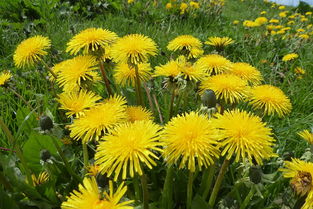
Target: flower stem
208 182
105 78
247 199
145 194
49 69
66 163
171 104
218 183
85 155
148 92
168 189
138 85
18 151
189 190
136 188
158 108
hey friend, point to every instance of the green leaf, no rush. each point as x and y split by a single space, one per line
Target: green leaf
6 201
199 203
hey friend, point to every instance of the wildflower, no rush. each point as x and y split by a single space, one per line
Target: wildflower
300 71
263 13
291 22
130 1
133 49
281 7
190 141
57 68
236 22
116 100
250 24
304 19
274 21
283 14
261 20
194 4
190 71
289 57
300 30
127 147
93 170
306 135
77 70
76 103
301 173
88 195
183 7
91 40
247 72
304 36
244 135
270 99
309 26
308 13
170 69
137 113
214 64
186 44
31 51
219 42
229 88
42 178
4 78
168 5
99 119
126 75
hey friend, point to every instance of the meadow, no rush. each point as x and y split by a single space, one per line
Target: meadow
155 104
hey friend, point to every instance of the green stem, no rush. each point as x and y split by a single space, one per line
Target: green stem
247 199
66 163
145 193
138 87
209 181
148 92
85 155
136 188
189 190
105 78
218 183
158 109
18 151
49 69
168 189
171 104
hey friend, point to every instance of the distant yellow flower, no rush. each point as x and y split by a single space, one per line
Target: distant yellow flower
306 135
76 103
31 51
304 36
170 69
292 17
283 14
244 135
270 99
91 40
126 75
183 7
135 113
127 147
308 13
42 178
133 49
304 19
299 71
219 42
300 30
236 22
274 21
190 141
261 20
263 12
92 170
309 26
168 5
281 7
77 70
214 64
229 88
247 72
89 196
190 71
5 77
194 4
279 26
98 120
130 1
291 22
250 24
186 44
301 174
289 57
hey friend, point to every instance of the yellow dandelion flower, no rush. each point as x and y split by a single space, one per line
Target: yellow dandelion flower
183 7
186 44
168 5
126 75
291 22
214 64
247 72
244 136
97 121
299 71
304 19
289 57
261 20
89 196
170 69
76 103
4 78
92 170
194 5
133 49
263 13
229 88
283 14
190 71
270 99
250 24
137 113
304 36
130 1
306 135
236 22
42 178
91 40
308 13
301 174
274 21
57 68
190 141
127 147
281 7
31 51
116 100
195 53
77 70
219 41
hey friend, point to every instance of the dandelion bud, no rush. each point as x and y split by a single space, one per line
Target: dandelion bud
209 98
46 123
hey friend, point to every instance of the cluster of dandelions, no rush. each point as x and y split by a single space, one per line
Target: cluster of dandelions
129 141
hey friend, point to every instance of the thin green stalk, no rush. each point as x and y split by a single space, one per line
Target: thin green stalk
158 108
167 194
171 104
49 69
209 181
145 193
18 151
148 92
138 87
66 163
136 188
105 78
247 199
85 155
189 190
218 183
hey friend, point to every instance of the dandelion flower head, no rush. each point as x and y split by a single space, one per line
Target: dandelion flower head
135 113
247 72
186 44
170 69
126 75
214 64
219 41
5 77
289 57
306 135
